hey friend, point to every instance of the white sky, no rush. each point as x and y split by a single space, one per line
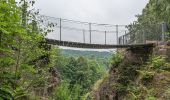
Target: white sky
97 11
100 11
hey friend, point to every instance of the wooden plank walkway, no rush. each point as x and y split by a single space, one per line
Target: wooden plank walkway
94 46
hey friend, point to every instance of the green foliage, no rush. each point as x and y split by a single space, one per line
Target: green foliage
158 62
151 83
102 58
81 71
150 98
167 93
116 59
127 74
87 97
153 15
25 59
147 76
5 94
22 62
62 92
88 54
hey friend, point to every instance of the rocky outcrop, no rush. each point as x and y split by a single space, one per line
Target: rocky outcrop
109 88
54 81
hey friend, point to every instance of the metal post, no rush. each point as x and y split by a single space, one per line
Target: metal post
124 38
117 32
119 40
90 31
84 38
60 29
105 37
164 29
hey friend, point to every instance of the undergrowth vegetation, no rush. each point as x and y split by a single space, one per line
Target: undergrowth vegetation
146 81
153 81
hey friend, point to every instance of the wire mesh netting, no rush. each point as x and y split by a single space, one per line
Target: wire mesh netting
93 33
144 34
83 32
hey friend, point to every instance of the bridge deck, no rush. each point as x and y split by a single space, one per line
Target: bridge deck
93 46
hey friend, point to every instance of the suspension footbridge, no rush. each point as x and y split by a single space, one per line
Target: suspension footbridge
78 34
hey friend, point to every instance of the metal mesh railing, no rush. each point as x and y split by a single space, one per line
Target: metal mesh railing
94 33
83 32
144 34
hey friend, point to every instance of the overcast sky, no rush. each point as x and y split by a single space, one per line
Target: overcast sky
100 11
97 11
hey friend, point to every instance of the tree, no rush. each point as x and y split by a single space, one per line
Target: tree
149 22
22 55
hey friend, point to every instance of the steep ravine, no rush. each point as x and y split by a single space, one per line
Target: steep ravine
137 76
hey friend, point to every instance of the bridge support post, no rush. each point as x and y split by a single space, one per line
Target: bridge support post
125 42
90 31
124 38
117 37
84 38
117 32
105 37
60 29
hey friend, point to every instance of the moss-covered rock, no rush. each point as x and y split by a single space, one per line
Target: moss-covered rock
123 71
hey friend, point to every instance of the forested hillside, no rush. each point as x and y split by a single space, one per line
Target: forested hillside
100 57
89 54
30 69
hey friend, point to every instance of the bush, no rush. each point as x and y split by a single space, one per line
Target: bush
147 76
158 62
62 92
150 98
116 60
